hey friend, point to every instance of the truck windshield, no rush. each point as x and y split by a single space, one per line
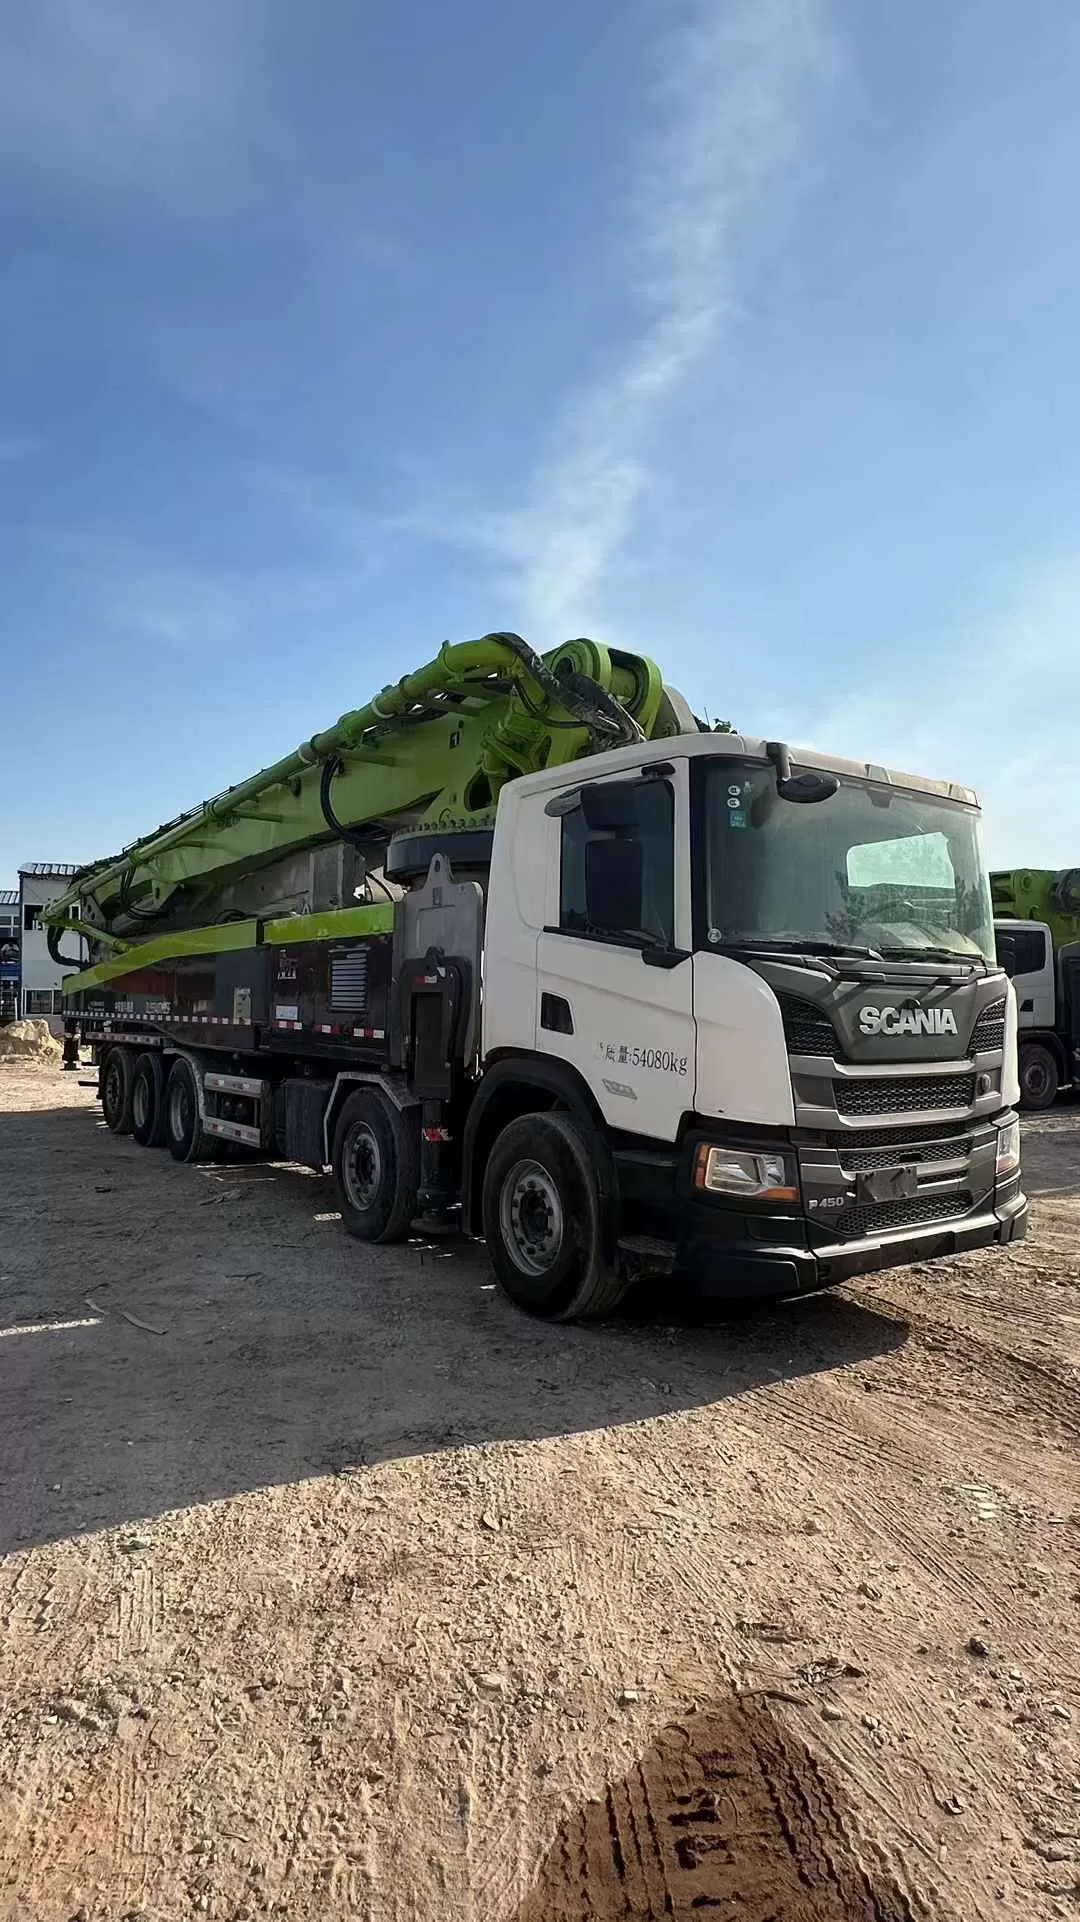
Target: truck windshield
872 868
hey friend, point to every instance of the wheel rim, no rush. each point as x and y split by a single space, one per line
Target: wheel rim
1036 1078
362 1167
179 1109
531 1218
140 1103
113 1090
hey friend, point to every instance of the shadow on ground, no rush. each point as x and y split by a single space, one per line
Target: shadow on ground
1051 1151
728 1815
272 1348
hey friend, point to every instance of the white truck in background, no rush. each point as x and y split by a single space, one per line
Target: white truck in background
1037 930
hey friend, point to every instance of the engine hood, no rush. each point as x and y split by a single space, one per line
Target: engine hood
794 1043
895 1015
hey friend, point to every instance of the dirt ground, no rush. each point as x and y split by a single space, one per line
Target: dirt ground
332 1588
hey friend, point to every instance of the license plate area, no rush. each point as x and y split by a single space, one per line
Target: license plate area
886 1184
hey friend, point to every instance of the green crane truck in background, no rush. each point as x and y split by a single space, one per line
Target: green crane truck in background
1037 928
522 945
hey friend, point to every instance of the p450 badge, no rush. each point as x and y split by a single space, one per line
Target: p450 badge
897 1020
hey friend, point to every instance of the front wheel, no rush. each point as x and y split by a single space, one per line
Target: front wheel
542 1221
376 1163
1039 1077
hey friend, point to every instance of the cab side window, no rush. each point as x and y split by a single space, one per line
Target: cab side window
1029 949
620 880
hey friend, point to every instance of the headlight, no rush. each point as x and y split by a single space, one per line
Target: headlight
732 1171
1008 1149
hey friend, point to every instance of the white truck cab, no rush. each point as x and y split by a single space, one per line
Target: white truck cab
772 998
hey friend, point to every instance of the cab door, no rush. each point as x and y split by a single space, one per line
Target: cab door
615 979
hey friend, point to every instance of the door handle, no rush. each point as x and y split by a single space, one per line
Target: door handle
555 1014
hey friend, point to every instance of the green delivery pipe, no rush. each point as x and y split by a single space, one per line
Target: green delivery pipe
478 658
578 687
483 657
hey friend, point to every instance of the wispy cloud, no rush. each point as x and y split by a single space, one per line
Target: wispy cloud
183 609
125 96
993 705
737 94
181 604
16 448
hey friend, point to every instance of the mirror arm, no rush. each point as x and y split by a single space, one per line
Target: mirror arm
780 756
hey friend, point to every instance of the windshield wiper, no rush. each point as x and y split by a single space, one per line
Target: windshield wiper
786 946
842 947
936 954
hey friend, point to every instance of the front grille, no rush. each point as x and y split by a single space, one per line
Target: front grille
861 1161
806 1029
906 1094
917 1133
885 1216
989 1029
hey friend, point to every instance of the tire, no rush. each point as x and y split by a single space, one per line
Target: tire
376 1164
543 1221
1039 1077
117 1081
184 1135
148 1101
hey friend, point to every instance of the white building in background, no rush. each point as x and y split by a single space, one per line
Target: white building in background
9 954
39 977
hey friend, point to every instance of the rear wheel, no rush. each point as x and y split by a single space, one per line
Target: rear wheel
1039 1077
376 1162
148 1101
117 1081
542 1220
184 1134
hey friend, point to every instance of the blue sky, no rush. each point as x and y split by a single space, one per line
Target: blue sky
740 332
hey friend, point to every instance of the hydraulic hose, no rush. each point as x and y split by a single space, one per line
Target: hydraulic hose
53 938
125 905
326 781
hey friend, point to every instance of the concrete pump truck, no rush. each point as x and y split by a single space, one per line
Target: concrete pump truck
523 946
1037 925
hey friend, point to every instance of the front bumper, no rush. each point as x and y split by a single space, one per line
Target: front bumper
728 1255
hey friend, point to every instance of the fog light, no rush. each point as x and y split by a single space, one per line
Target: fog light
1008 1149
733 1171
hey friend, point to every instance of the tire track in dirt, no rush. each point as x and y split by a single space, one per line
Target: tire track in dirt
140 1611
865 1498
725 1814
131 1818
951 1582
884 1492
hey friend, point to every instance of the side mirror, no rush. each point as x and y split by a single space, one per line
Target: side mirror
1006 954
610 806
808 788
613 885
804 788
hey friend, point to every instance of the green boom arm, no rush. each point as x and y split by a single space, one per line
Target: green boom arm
432 750
1039 894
